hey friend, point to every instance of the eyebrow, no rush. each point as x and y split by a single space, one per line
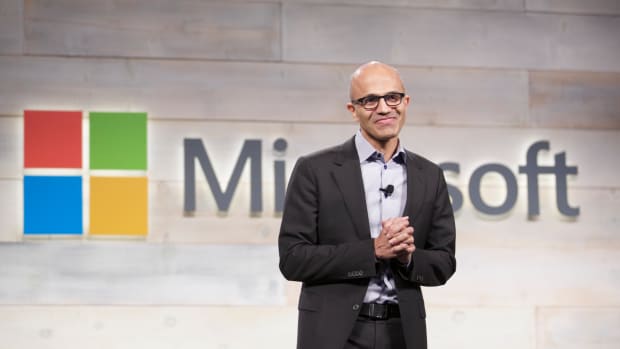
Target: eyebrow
376 95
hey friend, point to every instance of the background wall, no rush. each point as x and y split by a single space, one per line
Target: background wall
487 78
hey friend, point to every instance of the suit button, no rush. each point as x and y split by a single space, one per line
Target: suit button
356 307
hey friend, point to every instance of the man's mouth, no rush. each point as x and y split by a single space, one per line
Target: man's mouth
385 120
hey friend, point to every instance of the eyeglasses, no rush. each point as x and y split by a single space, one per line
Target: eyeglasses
371 102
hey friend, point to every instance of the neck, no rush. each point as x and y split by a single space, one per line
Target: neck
387 148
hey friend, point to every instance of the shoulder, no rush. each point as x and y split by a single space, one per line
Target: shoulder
324 154
337 153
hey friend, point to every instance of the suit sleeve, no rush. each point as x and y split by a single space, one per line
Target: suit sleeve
302 256
434 263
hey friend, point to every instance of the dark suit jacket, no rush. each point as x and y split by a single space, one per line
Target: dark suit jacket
325 243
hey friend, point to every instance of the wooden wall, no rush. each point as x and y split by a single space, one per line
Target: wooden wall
487 78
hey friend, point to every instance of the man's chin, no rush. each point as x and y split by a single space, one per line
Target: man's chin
385 137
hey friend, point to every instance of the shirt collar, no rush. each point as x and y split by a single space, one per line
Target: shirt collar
367 152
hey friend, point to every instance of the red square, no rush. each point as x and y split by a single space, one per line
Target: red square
52 139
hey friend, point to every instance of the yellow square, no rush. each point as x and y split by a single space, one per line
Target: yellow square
119 206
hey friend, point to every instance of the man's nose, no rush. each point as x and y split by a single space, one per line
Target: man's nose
382 107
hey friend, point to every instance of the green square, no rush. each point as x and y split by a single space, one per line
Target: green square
117 141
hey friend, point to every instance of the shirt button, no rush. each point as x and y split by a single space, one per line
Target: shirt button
356 306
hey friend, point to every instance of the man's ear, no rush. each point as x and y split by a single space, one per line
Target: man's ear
351 108
406 100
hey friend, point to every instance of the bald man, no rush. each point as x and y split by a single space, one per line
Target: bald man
365 224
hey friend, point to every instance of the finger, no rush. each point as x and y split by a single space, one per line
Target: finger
386 226
396 227
396 220
408 240
398 239
406 249
391 227
404 235
399 248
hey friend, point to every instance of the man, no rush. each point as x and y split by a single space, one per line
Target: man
365 224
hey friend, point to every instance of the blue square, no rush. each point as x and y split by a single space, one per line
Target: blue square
52 205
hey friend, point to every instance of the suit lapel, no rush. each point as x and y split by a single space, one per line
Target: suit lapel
348 176
416 190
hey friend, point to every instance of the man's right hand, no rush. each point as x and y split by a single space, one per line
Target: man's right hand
395 239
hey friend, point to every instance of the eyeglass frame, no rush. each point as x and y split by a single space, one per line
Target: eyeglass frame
360 102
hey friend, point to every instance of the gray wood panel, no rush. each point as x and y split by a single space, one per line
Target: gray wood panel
600 7
101 272
575 100
108 273
476 327
11 31
577 327
531 276
11 147
450 38
500 5
595 227
153 327
11 210
154 28
163 327
252 91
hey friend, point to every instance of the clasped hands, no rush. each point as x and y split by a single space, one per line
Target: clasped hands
395 240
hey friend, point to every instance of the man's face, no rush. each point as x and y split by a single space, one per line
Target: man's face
383 123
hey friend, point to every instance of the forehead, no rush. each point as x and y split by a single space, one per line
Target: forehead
375 80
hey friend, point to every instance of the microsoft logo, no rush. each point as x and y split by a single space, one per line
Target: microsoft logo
85 175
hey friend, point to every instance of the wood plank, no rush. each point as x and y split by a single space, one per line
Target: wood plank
480 327
574 328
11 147
155 327
102 272
593 7
11 210
466 96
11 31
595 227
315 33
575 100
531 276
138 273
498 5
269 91
219 327
146 28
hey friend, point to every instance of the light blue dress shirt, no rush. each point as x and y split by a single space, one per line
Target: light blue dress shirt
378 173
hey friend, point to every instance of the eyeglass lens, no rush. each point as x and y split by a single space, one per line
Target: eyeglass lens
372 101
